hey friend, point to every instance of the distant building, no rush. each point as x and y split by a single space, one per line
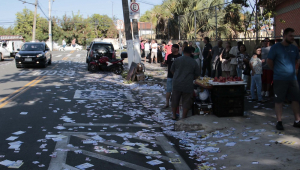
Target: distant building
287 15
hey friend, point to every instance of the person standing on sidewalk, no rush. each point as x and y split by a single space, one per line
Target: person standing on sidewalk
171 58
242 60
267 76
215 61
185 70
153 52
196 54
233 54
256 71
168 49
225 59
206 57
147 49
64 43
142 49
282 60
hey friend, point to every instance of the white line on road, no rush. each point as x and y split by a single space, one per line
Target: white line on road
58 56
78 55
68 55
110 124
163 142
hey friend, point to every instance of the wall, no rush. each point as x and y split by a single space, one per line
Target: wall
287 11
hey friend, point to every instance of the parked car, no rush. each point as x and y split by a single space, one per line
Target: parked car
9 48
97 45
69 47
33 54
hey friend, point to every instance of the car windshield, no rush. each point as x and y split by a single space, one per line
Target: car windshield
32 47
107 46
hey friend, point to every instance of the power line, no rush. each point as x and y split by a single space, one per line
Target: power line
43 11
148 3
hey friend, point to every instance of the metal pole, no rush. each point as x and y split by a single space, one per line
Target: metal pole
34 21
50 27
151 30
256 22
179 26
195 22
216 15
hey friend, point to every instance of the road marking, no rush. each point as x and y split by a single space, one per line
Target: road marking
165 145
68 55
165 158
78 55
109 124
72 51
59 162
58 56
18 90
23 90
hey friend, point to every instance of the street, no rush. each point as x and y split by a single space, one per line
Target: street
65 116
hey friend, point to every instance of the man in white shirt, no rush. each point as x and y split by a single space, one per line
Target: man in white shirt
147 49
233 54
64 43
153 51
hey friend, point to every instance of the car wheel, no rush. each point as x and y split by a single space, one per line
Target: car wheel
1 57
118 70
50 61
44 65
92 68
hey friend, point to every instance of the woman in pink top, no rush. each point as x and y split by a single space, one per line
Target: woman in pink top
168 50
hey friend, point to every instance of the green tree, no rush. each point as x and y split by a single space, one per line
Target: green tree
103 26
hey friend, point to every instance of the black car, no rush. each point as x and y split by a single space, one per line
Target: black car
33 54
97 45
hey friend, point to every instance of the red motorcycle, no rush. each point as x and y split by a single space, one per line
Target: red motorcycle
100 61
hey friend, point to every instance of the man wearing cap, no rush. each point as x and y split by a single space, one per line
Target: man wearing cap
171 58
185 70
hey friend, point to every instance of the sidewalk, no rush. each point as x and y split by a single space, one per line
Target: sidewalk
249 142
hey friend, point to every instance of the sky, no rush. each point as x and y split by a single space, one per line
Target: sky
9 8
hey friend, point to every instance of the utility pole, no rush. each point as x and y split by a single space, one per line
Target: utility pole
34 21
256 21
112 10
50 27
128 33
216 15
135 27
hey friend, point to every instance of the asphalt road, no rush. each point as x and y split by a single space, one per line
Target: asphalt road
65 116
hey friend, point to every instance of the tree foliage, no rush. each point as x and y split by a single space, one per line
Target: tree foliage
67 27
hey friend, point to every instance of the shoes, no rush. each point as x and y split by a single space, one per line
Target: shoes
267 94
279 125
297 125
263 93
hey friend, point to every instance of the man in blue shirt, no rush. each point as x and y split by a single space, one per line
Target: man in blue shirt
282 60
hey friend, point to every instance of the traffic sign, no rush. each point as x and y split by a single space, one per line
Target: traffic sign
134 10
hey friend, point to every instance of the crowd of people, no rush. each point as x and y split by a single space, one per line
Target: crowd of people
271 64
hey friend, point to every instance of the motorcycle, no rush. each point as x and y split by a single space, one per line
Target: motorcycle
100 61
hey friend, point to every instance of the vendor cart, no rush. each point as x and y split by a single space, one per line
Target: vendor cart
227 98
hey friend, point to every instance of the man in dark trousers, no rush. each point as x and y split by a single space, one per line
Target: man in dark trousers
171 58
185 70
282 60
206 57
